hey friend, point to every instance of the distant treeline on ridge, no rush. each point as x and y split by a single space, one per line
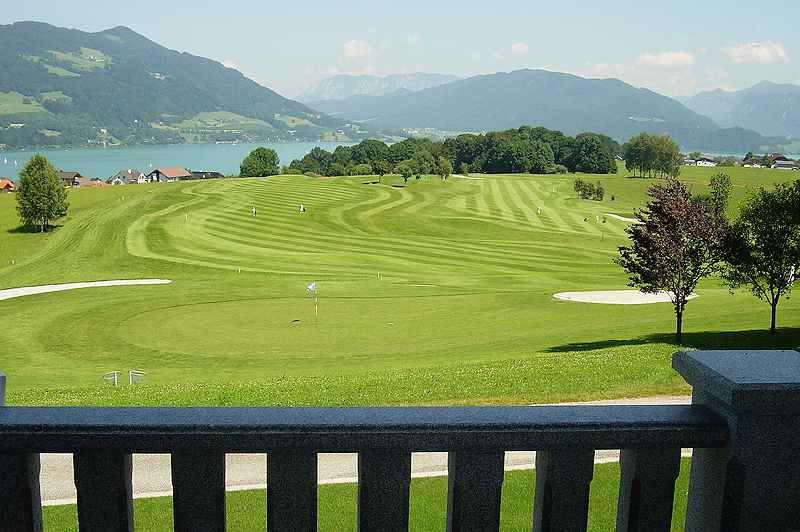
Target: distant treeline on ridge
523 150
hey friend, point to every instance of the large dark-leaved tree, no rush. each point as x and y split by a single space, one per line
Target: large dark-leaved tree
765 250
261 162
677 241
41 197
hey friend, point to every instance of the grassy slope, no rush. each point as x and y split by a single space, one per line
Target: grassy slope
337 503
462 313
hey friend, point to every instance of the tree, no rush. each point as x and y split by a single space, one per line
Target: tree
592 156
41 197
369 151
764 255
599 192
261 162
653 153
407 169
678 241
720 191
695 155
338 169
444 168
464 169
380 168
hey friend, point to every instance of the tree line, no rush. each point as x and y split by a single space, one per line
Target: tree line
682 238
522 150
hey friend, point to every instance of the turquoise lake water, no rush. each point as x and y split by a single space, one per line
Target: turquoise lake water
105 162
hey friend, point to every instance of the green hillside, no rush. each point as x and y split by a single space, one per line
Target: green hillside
117 86
434 292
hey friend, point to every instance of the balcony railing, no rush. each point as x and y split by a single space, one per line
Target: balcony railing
744 426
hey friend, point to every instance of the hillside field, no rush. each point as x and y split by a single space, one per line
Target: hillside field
430 292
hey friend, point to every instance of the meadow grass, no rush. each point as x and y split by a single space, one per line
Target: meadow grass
429 293
337 505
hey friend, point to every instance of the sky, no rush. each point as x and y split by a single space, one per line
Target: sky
676 47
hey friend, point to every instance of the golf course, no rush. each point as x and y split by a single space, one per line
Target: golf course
428 292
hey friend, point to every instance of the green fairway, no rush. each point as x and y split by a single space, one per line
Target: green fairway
337 505
428 293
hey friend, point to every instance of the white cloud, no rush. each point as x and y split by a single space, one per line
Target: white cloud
607 70
520 48
757 52
354 49
668 59
498 56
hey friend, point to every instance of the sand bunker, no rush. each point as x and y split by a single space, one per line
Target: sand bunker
617 297
11 293
623 218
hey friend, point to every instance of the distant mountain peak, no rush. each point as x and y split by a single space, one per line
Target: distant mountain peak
537 97
770 108
343 86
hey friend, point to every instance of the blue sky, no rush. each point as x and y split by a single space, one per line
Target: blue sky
678 47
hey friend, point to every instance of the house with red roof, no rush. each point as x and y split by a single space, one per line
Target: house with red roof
168 175
6 185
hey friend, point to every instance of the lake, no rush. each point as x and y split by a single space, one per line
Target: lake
105 162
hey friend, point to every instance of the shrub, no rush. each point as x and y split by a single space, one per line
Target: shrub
362 169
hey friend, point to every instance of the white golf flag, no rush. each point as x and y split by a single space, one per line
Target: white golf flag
312 287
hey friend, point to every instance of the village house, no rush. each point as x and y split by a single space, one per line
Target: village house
207 175
69 179
705 161
784 165
6 185
168 175
131 176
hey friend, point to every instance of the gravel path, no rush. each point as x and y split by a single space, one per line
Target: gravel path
151 473
617 297
11 293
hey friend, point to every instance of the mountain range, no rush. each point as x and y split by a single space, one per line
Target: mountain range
566 102
344 85
67 87
64 86
770 108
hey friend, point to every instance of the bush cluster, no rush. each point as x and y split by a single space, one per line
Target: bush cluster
588 190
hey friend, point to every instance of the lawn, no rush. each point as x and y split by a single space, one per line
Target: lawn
429 293
337 506
14 103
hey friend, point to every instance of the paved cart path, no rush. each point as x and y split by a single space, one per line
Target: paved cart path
151 473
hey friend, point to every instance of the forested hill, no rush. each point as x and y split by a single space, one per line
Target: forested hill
62 86
554 100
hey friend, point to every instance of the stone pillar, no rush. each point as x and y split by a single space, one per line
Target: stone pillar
754 482
20 499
